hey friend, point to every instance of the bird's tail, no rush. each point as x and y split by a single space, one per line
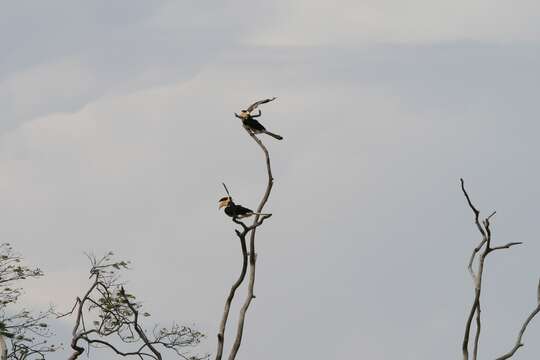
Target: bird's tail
275 136
252 214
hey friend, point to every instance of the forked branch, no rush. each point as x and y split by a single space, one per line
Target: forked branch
480 253
116 314
483 228
242 237
252 253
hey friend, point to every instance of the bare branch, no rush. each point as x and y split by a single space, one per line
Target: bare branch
238 282
484 229
473 255
478 329
473 208
252 254
483 249
507 246
477 278
519 342
245 306
248 258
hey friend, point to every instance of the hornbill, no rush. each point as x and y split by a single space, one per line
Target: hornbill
234 210
249 122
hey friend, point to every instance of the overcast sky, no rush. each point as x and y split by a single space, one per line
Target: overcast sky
117 129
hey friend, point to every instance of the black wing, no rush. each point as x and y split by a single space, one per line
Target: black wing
240 210
256 104
253 124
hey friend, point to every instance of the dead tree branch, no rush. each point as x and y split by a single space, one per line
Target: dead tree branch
242 237
477 278
480 254
519 342
252 253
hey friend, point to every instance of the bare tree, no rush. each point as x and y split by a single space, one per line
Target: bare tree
26 331
480 253
107 316
242 237
247 258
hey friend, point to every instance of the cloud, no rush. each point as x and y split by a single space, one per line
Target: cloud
351 23
61 57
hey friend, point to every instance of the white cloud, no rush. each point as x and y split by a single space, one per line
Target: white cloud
64 56
351 22
45 86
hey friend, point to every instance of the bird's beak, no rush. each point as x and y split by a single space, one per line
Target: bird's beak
221 204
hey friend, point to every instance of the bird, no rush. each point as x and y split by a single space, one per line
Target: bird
236 211
250 123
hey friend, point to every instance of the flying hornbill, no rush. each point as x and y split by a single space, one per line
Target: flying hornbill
236 211
253 125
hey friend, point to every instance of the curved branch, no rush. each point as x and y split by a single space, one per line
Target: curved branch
483 249
238 282
76 337
137 326
113 348
252 254
519 343
485 244
221 334
477 278
474 209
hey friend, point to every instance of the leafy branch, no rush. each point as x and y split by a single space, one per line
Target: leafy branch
107 316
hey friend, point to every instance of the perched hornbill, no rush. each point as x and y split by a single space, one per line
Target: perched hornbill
253 125
235 211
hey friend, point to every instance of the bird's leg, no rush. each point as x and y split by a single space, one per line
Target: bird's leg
249 130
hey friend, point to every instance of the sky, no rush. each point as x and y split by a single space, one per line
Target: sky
118 129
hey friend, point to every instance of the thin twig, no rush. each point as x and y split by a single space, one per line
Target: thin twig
507 246
227 190
474 209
